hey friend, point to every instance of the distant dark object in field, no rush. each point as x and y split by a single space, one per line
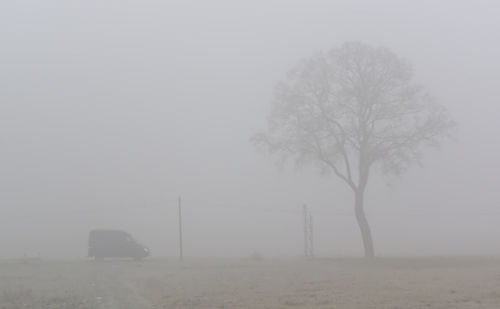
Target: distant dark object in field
256 256
115 244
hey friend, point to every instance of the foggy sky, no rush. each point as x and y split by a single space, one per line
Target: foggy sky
110 110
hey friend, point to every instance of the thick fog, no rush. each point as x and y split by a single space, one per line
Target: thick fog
110 110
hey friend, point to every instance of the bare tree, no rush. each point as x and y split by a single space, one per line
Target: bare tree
351 110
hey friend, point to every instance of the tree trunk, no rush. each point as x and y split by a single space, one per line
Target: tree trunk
364 227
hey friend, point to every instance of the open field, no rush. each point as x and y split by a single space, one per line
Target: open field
288 283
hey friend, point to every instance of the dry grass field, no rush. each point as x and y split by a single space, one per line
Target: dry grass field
289 283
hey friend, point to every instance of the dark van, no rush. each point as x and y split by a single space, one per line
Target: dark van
115 244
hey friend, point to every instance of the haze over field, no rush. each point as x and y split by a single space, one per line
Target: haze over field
109 111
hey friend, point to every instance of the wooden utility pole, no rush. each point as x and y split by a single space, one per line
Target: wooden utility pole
311 236
306 232
181 255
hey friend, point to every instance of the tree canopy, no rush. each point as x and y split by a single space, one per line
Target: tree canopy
351 109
